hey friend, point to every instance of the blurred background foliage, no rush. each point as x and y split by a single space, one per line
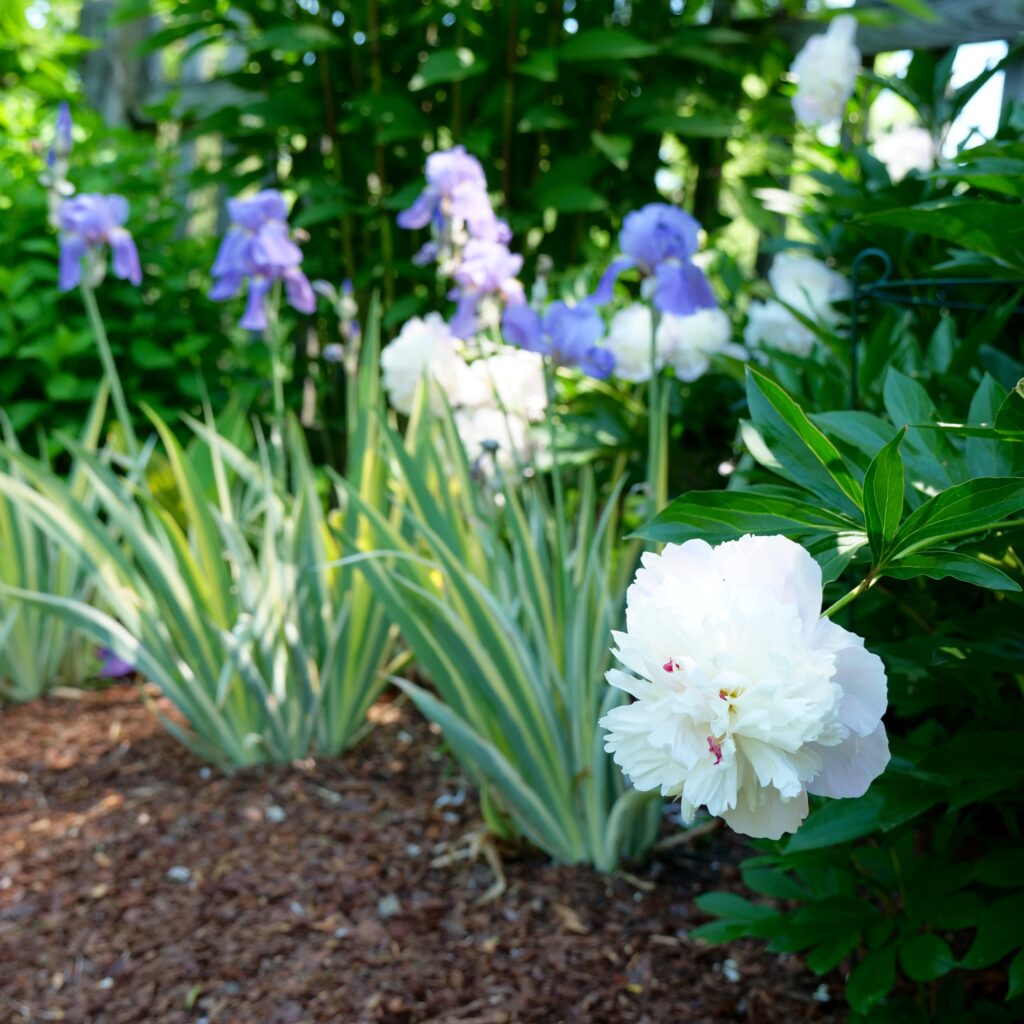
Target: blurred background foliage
579 113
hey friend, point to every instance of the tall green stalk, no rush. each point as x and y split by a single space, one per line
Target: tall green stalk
561 540
273 339
657 429
109 366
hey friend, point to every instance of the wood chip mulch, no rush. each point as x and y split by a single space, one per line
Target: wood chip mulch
136 884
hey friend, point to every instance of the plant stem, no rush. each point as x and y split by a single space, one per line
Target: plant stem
277 368
864 584
657 429
556 484
109 366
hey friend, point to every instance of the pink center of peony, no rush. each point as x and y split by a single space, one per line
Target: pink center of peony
671 665
715 748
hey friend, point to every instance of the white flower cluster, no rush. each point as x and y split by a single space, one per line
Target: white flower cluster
495 398
745 698
686 343
826 72
806 285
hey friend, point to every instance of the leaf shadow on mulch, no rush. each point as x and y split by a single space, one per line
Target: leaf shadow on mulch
137 884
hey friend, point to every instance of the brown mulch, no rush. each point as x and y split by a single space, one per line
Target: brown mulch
138 885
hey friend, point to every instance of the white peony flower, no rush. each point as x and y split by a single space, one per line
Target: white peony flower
690 341
905 149
493 438
746 699
808 286
425 348
770 323
511 378
826 72
629 340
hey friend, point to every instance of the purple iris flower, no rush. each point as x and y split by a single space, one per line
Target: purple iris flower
456 193
62 138
111 666
258 247
87 222
568 334
486 268
660 241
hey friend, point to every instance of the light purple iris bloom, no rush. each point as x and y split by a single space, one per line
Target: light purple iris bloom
62 138
111 666
61 148
487 268
660 241
456 192
88 222
258 247
568 334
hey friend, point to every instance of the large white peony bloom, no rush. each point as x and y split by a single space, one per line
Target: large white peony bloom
425 348
905 149
746 699
511 378
826 72
629 340
808 286
691 341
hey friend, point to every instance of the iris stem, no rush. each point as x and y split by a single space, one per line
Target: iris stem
109 367
657 430
273 338
556 484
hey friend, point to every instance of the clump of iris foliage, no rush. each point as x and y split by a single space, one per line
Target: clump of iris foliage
460 511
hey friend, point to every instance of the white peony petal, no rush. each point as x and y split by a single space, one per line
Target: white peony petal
770 818
861 674
849 768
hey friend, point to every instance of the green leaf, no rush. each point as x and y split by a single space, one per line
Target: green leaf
724 515
453 65
838 821
970 507
773 882
926 957
544 118
909 405
802 453
606 45
872 979
945 564
883 496
565 197
732 906
540 64
971 755
296 37
986 457
915 8
1000 931
1016 976
991 228
1010 416
616 147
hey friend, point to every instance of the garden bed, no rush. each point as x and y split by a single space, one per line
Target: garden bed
138 885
